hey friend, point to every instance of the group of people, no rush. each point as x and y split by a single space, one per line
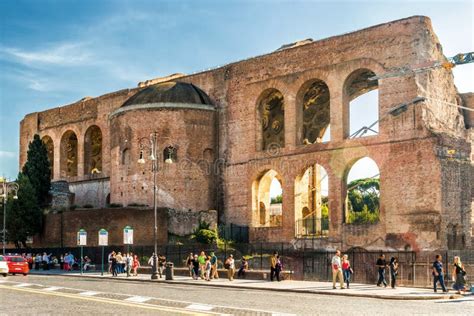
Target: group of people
203 266
126 263
342 271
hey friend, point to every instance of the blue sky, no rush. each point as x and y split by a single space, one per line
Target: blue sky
56 52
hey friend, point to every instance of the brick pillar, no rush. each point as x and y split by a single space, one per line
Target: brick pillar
57 159
336 203
80 156
288 209
339 113
290 119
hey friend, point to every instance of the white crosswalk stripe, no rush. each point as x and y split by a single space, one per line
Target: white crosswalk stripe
89 293
23 285
200 307
53 288
138 299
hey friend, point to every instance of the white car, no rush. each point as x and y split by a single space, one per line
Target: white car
3 266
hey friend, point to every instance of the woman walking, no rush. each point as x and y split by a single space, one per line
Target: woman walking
195 267
189 264
278 268
114 265
458 275
135 265
346 269
393 271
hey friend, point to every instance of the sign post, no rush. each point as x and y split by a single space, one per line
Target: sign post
128 240
82 241
103 241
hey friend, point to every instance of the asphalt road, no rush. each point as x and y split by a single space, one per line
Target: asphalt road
33 295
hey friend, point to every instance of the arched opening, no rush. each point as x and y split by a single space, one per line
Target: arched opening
126 157
69 154
272 117
268 200
363 104
93 151
315 108
311 202
363 193
49 144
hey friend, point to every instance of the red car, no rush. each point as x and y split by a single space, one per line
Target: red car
17 264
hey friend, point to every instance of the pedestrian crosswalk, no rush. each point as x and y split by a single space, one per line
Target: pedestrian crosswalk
182 307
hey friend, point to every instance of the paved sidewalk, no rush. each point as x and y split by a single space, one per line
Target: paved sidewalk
358 290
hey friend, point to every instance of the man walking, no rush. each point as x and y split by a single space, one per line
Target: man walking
381 265
438 274
214 273
337 270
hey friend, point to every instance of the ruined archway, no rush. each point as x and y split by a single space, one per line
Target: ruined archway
68 159
314 112
271 111
362 104
362 203
267 200
93 150
49 144
311 202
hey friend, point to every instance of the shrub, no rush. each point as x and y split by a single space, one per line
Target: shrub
88 206
204 235
116 205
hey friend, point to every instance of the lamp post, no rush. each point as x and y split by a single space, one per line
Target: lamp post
5 189
154 154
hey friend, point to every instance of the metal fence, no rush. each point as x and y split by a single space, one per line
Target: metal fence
414 267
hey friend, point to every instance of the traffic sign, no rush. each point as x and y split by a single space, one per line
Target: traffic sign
82 238
128 235
103 237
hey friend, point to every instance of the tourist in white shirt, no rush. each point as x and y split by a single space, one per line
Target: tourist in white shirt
337 270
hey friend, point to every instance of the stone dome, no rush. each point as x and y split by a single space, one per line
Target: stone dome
169 92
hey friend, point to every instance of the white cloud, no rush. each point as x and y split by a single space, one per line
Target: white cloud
7 154
66 54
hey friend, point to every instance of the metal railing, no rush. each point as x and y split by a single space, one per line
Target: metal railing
312 226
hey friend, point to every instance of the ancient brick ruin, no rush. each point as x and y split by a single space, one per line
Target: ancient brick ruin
285 115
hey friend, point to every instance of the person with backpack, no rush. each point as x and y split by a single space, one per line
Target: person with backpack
459 274
273 261
346 270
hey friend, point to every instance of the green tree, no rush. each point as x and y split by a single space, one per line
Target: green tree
38 170
24 216
364 197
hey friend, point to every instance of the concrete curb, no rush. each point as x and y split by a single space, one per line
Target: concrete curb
338 293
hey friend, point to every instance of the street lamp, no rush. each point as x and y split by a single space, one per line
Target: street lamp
5 189
152 147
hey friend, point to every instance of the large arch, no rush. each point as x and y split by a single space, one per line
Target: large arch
311 202
69 152
362 104
93 150
267 200
49 144
313 101
362 203
271 113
